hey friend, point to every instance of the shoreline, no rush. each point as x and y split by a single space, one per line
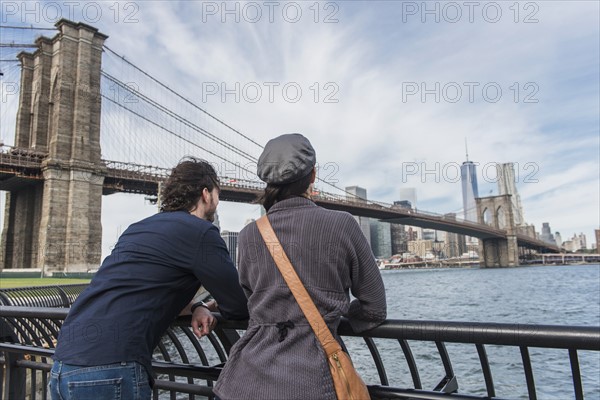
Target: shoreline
473 265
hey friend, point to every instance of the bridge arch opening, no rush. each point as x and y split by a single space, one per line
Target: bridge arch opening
501 218
487 216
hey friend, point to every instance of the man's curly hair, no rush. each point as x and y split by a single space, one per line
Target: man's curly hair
182 190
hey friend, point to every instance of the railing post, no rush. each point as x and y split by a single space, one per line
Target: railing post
14 377
63 297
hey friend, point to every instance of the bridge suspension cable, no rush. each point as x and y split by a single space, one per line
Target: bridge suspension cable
179 118
181 97
31 27
171 132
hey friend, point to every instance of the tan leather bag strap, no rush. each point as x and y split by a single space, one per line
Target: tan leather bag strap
330 345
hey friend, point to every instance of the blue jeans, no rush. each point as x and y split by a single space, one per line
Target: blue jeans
119 381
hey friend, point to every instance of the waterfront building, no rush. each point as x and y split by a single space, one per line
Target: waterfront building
546 234
454 244
381 239
398 231
558 239
582 240
428 234
569 246
231 241
507 185
411 234
421 248
597 233
359 194
576 243
408 197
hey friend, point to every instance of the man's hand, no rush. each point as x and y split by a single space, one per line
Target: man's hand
203 321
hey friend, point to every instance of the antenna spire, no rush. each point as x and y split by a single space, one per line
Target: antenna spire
466 149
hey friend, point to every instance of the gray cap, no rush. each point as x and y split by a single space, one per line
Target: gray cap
286 159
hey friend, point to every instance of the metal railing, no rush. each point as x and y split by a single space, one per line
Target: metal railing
42 296
186 365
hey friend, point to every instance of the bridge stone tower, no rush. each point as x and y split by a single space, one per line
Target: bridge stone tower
55 224
497 211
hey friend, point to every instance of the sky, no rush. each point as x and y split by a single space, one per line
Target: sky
388 92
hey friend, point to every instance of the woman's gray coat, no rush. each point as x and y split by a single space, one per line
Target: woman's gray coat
331 256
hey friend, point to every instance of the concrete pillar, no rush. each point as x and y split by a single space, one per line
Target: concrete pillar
60 114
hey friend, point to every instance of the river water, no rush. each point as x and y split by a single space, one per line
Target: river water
545 295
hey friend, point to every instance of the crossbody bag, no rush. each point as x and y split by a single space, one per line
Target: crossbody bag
348 384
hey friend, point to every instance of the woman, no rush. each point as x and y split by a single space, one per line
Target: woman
279 356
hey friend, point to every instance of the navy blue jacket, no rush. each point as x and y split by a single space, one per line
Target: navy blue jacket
152 273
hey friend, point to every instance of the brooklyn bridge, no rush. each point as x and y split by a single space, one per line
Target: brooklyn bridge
90 123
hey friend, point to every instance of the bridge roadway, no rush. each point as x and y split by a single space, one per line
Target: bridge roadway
20 167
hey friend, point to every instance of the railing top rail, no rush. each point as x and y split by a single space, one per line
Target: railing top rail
549 336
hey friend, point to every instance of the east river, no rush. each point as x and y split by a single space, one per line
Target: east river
545 295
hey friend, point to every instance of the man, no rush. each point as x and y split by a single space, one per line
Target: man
105 345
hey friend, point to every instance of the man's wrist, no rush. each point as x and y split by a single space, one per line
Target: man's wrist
199 304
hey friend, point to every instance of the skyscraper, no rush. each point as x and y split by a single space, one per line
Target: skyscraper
410 195
468 177
507 184
398 232
597 234
558 239
547 235
231 240
356 193
381 239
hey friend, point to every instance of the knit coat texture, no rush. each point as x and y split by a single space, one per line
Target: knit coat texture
332 258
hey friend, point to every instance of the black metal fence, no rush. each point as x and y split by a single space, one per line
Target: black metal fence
188 367
42 296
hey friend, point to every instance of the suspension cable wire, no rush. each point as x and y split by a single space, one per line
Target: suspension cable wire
183 120
19 45
173 133
39 28
200 147
183 98
216 119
